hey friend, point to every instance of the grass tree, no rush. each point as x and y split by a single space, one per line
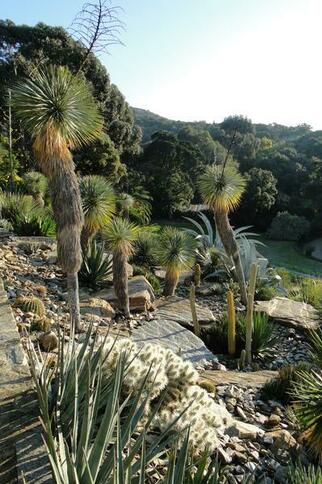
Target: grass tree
222 187
120 236
176 252
58 111
98 201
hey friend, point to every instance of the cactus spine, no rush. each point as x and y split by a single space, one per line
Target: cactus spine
231 323
250 312
197 275
194 310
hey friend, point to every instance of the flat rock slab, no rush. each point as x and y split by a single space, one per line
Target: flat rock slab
295 314
255 379
178 309
178 339
141 294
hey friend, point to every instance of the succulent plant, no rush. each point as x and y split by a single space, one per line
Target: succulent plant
30 304
177 381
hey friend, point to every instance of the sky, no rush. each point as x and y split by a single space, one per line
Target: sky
207 59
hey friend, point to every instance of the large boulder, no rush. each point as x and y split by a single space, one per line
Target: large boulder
97 307
141 294
172 335
296 314
178 309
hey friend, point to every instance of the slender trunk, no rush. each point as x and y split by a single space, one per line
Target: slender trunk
87 236
230 245
170 282
120 281
73 300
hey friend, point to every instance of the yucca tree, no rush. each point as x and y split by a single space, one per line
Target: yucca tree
120 236
221 187
175 251
59 112
98 201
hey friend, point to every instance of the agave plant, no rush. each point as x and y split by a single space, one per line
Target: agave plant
13 204
176 252
93 434
298 474
96 266
120 236
315 340
209 241
98 201
264 337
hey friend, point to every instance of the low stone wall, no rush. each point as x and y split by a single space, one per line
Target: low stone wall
22 455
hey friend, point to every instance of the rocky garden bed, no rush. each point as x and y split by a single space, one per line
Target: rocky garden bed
262 439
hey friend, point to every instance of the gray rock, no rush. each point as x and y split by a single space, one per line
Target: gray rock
296 314
178 309
173 336
141 294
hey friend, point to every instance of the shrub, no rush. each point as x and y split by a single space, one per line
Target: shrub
30 304
286 226
36 222
96 266
298 474
5 225
14 204
279 388
265 291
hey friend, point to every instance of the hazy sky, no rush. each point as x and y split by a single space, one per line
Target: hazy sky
206 59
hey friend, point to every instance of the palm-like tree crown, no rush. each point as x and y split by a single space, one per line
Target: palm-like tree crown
120 235
58 111
220 188
176 249
98 201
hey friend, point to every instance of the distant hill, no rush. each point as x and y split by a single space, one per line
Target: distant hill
150 123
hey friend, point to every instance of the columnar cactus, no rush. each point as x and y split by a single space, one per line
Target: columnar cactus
231 323
250 312
194 310
197 275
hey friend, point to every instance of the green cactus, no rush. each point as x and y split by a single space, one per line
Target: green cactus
242 359
40 324
194 310
231 323
197 275
30 304
250 312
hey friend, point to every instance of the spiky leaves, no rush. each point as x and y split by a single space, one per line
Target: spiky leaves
120 235
220 188
307 393
176 252
58 111
98 201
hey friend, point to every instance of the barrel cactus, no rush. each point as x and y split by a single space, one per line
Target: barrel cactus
30 304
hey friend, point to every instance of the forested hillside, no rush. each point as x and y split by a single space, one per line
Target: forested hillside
282 165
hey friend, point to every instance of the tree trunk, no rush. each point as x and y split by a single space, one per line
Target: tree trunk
230 245
170 283
73 300
120 281
87 236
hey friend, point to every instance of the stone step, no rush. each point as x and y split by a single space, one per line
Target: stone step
255 379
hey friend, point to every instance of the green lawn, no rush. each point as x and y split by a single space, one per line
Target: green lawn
287 254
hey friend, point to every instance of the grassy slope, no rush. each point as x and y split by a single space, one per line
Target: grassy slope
286 254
